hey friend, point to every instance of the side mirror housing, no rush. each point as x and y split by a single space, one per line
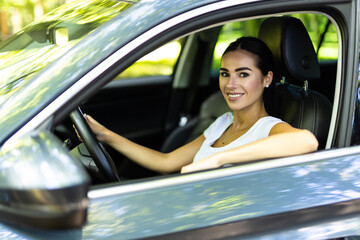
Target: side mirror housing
59 36
41 185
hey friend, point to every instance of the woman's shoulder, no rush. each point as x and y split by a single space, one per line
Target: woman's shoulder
265 124
270 120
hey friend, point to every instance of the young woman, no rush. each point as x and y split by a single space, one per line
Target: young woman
246 134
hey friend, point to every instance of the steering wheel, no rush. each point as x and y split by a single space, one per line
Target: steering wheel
102 159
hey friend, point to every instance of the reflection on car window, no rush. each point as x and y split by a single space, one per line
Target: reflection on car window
159 62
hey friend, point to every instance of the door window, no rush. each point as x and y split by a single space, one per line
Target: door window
160 62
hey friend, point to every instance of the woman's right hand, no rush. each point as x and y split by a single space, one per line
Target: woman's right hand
98 129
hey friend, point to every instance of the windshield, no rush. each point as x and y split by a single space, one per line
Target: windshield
78 38
46 40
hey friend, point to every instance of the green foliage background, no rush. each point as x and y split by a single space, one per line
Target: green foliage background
15 14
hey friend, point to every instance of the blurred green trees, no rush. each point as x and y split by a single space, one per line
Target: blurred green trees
16 14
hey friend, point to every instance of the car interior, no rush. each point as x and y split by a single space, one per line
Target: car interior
165 111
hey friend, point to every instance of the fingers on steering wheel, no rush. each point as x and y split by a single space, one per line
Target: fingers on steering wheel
77 133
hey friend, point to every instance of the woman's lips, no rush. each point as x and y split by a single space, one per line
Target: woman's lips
234 96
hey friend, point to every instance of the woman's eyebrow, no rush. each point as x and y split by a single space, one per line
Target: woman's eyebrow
237 69
242 69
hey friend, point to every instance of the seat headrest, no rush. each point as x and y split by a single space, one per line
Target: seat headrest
293 51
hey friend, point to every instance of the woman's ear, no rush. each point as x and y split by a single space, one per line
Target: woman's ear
268 78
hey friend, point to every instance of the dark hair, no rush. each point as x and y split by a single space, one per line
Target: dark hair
264 62
256 47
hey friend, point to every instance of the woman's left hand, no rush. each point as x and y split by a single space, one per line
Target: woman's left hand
203 164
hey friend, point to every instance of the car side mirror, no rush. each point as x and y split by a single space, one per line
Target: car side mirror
41 185
59 36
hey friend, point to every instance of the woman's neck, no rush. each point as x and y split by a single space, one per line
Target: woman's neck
245 118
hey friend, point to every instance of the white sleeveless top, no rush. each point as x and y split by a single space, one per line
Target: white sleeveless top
259 130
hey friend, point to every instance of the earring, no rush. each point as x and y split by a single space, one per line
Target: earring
267 85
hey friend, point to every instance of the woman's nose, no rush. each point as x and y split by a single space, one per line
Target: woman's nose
232 83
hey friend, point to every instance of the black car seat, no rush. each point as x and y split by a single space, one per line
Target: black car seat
213 107
296 66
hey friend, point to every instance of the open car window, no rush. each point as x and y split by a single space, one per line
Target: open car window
149 112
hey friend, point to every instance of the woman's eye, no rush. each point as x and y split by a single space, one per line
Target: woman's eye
224 74
244 74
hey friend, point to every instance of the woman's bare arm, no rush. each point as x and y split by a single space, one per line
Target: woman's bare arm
146 157
283 140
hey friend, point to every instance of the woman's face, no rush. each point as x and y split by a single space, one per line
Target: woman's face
241 81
